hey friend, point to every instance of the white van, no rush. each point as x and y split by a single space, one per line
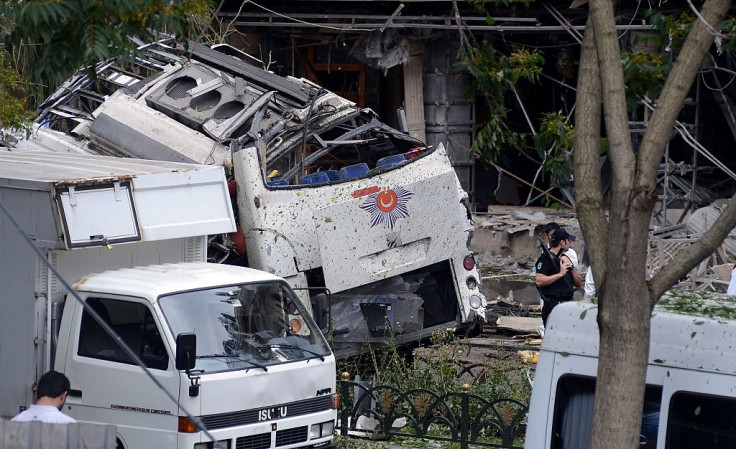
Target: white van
690 399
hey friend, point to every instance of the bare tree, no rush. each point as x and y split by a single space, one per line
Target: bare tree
618 243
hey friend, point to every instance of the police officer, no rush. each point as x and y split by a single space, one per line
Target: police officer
556 277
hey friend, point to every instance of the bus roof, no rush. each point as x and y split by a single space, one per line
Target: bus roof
694 331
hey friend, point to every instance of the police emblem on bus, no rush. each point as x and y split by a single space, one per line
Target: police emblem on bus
387 206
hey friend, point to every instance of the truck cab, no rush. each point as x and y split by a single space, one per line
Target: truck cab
262 374
690 396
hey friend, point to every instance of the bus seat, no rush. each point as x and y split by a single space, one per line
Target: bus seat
315 178
354 171
390 161
278 182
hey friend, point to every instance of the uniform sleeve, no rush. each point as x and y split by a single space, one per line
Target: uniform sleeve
544 265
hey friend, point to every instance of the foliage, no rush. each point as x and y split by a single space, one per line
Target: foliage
554 142
437 370
704 304
352 443
480 5
494 75
673 29
13 113
728 28
45 41
59 37
644 74
399 383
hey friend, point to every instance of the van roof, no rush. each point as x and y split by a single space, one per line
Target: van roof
693 330
155 280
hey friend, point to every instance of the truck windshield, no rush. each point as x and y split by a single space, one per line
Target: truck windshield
245 326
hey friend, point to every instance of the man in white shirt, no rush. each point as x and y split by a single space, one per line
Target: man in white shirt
50 398
732 283
550 229
589 284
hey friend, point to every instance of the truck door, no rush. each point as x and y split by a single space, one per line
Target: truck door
107 386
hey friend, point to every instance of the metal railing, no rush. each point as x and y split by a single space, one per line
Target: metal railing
40 435
458 417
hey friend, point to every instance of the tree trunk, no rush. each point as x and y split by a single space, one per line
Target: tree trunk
626 297
623 321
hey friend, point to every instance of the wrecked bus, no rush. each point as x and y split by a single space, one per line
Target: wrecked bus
369 225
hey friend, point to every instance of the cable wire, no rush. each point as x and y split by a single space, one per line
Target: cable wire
309 23
91 311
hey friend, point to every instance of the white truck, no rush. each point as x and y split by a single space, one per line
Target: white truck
328 197
690 398
234 346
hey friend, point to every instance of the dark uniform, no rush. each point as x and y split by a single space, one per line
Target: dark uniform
559 291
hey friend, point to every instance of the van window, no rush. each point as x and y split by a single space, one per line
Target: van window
573 413
701 420
133 322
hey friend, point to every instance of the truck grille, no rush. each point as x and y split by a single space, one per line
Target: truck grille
291 436
260 441
243 417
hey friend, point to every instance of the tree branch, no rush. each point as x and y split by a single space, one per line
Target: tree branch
704 247
675 90
613 89
588 192
707 25
623 160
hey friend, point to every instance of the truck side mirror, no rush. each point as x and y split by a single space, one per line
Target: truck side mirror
186 351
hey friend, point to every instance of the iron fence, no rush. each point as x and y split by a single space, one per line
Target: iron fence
458 417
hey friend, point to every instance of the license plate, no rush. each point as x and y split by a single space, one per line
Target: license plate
270 413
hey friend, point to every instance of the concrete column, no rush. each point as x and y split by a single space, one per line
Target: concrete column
413 92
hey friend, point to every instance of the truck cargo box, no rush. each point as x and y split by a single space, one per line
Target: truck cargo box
87 214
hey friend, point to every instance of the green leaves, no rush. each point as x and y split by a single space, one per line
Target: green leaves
494 76
553 143
645 74
46 41
14 115
64 35
44 13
